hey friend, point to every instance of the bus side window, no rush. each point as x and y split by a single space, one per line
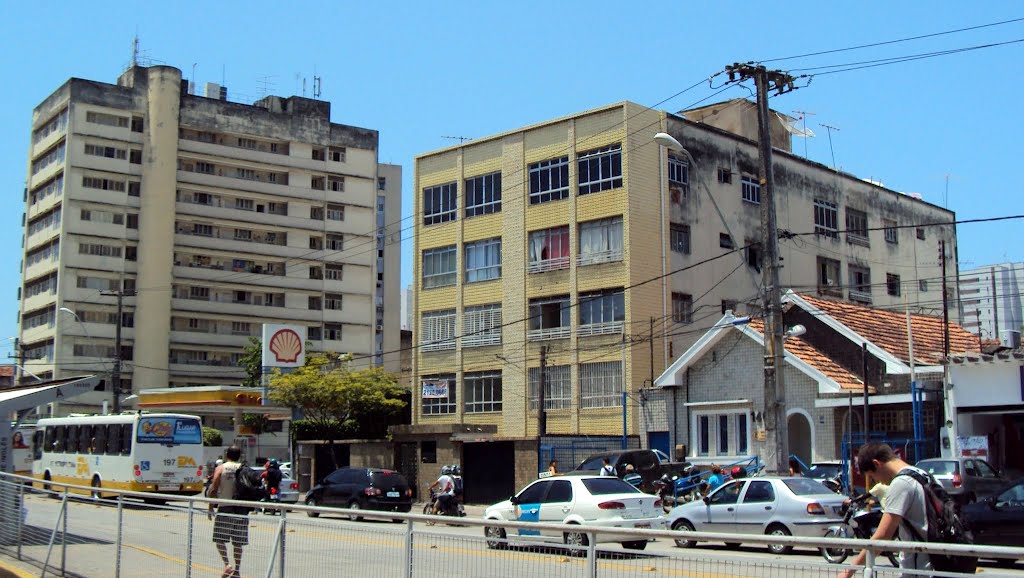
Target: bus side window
85 439
126 439
70 439
51 438
62 439
99 439
37 443
113 439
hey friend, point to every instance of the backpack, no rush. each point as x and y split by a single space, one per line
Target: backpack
457 486
248 485
945 525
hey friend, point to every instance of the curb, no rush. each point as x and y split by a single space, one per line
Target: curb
8 570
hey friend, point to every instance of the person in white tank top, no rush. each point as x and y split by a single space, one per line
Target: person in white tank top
231 523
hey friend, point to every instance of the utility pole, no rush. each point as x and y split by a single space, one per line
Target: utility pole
864 376
115 376
774 384
948 405
651 346
542 416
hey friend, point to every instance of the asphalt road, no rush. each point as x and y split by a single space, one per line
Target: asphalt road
155 543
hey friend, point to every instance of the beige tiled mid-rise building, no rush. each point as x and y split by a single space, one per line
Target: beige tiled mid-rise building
214 217
583 236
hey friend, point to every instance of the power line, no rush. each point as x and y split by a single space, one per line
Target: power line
896 41
901 59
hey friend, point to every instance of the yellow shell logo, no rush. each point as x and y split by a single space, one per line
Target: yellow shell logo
286 346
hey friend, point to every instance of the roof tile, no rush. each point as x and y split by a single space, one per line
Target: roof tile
807 353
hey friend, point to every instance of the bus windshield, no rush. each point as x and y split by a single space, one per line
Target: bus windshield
169 430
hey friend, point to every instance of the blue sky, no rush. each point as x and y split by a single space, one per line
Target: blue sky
420 71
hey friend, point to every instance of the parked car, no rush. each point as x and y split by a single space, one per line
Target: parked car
577 499
362 489
649 464
778 506
289 487
966 479
999 519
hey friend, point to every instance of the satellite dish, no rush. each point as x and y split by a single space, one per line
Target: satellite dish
789 124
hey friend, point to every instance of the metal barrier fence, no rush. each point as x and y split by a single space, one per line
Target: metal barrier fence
60 533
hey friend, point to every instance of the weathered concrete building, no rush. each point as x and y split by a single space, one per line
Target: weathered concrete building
582 236
214 217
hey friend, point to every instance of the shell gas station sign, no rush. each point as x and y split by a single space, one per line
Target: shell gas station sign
284 345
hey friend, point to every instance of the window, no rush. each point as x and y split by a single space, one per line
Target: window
724 175
243 235
829 281
134 188
245 204
856 227
337 154
549 180
241 328
333 301
601 384
892 284
335 242
135 156
754 255
103 184
106 119
315 272
199 293
860 284
318 183
133 221
920 233
336 184
720 433
682 308
602 311
601 241
107 152
600 169
750 189
334 272
315 303
826 219
314 333
679 238
481 325
131 253
382 183
679 175
483 260
891 232
922 284
316 213
137 123
319 154
557 387
549 318
549 250
483 194
332 331
440 203
335 212
437 330
439 267
58 123
438 403
52 156
729 305
99 250
759 492
483 391
202 230
725 241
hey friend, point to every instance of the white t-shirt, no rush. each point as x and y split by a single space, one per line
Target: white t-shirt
607 470
446 485
905 498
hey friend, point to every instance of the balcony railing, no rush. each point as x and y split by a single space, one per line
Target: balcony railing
548 265
599 257
605 328
229 234
482 339
278 269
860 296
439 345
550 333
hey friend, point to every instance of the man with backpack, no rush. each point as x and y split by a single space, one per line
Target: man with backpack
915 507
232 522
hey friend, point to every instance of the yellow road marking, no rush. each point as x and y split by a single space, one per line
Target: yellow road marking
14 570
174 559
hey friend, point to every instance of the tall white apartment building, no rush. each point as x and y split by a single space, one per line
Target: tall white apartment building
213 217
992 302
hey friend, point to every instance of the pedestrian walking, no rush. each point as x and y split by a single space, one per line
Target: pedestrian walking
716 479
606 467
232 522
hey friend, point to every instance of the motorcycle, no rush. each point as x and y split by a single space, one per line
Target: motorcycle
452 508
859 521
274 497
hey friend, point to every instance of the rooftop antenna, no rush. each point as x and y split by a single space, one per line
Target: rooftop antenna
317 86
830 128
135 50
266 84
461 139
803 117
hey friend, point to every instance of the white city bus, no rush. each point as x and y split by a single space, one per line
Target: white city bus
144 452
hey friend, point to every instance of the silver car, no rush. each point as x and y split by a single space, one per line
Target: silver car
777 506
289 488
966 479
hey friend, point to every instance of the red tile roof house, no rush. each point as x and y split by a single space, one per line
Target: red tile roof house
711 399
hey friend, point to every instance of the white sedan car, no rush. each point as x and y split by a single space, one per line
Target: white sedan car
777 506
587 499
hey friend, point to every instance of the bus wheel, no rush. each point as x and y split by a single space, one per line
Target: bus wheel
47 488
97 484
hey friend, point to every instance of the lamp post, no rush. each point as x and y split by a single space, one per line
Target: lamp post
774 384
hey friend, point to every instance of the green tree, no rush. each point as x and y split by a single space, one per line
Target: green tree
331 393
212 437
252 362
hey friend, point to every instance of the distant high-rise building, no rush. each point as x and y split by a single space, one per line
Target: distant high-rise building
214 217
992 302
407 306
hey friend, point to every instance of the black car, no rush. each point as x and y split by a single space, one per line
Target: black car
362 489
999 520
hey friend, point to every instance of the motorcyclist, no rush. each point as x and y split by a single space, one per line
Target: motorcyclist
446 490
210 469
457 487
272 477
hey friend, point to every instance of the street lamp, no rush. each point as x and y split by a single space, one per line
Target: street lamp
774 384
77 318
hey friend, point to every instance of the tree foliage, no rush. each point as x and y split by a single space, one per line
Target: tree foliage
252 362
212 437
334 397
